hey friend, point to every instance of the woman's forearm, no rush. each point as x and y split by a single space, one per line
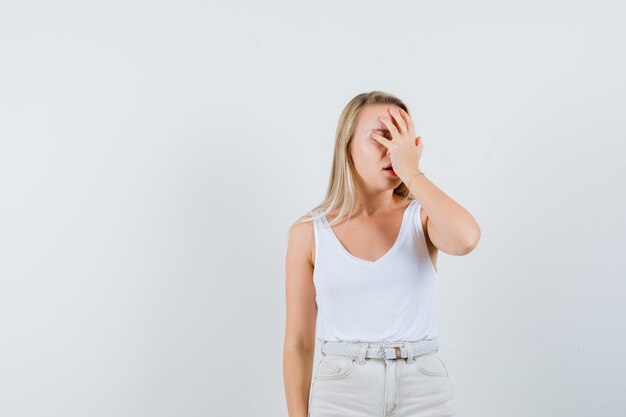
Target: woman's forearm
456 225
297 373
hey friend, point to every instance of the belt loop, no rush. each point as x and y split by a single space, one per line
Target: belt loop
409 353
382 351
361 354
322 348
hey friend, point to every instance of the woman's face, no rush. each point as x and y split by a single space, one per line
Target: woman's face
369 156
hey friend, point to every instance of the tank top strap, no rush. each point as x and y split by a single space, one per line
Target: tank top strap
317 222
417 217
319 237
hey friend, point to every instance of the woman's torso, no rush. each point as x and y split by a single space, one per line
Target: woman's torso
375 280
371 238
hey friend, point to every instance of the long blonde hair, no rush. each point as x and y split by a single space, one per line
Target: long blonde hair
341 192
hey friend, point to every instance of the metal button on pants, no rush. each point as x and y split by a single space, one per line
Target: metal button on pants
348 386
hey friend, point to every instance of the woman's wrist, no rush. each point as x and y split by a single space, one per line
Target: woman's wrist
412 175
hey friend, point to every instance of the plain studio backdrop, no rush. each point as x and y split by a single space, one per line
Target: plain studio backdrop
153 156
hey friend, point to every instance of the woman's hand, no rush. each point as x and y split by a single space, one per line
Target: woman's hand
404 148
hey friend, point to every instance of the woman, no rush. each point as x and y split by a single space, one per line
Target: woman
373 277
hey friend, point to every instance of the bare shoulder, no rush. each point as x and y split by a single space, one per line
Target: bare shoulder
302 241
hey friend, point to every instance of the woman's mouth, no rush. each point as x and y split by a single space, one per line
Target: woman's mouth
389 171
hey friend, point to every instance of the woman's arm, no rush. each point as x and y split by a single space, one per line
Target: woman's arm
301 316
450 227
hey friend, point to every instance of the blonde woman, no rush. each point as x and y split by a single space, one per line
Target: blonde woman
362 267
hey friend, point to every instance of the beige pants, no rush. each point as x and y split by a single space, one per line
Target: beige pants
417 387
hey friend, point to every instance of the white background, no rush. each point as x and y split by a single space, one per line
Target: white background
154 154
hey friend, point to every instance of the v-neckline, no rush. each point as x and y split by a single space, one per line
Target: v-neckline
386 255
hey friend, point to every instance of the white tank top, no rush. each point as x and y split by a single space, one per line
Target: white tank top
391 299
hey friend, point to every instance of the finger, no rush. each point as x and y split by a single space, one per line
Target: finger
392 128
380 139
409 120
399 121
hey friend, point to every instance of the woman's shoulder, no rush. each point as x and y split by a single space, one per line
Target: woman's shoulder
301 238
